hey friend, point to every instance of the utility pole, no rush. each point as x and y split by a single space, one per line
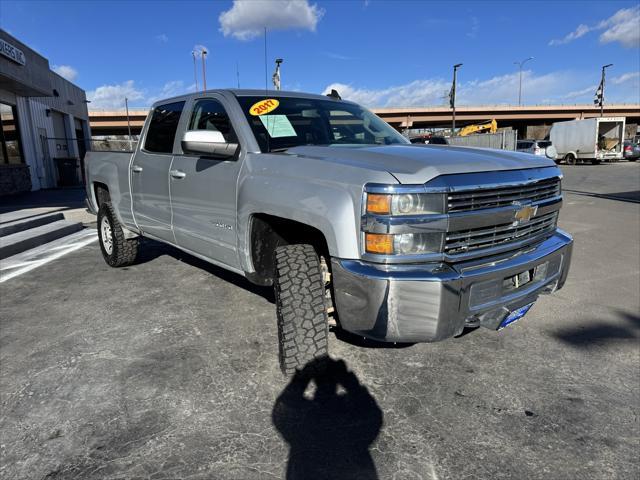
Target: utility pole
204 69
238 73
600 91
195 69
452 97
276 75
520 65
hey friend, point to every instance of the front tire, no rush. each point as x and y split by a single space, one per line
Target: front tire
117 250
300 304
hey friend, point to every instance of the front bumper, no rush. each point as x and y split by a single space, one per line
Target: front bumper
432 302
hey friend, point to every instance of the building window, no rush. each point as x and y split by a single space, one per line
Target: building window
11 151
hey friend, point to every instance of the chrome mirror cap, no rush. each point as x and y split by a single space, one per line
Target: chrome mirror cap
207 143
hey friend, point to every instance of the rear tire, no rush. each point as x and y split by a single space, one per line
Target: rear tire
300 304
117 250
570 159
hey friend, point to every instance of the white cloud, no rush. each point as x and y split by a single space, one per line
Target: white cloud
475 27
162 38
198 49
112 96
625 77
502 89
337 56
581 31
169 89
66 71
623 27
247 19
590 90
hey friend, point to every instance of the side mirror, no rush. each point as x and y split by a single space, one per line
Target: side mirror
551 152
208 143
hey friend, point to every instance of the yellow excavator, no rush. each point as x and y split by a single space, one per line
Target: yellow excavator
487 127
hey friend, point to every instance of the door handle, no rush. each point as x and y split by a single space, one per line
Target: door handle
136 169
177 174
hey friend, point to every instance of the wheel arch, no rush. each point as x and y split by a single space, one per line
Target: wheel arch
268 232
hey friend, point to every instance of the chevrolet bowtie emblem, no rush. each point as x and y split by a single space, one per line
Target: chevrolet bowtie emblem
524 213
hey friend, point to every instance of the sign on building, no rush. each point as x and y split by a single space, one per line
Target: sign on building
12 53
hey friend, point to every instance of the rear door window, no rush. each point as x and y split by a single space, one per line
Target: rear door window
163 127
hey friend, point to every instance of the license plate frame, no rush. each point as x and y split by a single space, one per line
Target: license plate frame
515 315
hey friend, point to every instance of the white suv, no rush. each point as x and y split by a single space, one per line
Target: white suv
536 147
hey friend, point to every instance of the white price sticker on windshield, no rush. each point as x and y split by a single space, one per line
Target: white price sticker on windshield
278 126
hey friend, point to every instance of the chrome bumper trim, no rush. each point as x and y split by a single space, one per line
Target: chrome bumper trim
432 302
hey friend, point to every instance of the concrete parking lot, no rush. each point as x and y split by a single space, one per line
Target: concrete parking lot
168 369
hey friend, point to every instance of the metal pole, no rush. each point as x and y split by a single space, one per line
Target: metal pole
520 88
602 83
195 69
204 69
520 65
126 106
453 98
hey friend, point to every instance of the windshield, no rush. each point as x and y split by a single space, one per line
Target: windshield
279 123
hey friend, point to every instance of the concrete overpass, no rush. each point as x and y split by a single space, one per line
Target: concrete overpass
518 117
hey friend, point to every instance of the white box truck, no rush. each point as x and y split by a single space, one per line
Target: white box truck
593 139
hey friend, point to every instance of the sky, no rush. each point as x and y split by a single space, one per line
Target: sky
378 53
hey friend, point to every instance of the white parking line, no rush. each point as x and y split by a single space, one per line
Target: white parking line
26 261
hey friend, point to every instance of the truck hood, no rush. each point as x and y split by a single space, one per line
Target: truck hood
417 164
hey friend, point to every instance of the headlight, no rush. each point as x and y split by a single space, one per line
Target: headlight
405 203
404 243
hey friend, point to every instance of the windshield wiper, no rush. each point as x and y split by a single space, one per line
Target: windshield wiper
283 149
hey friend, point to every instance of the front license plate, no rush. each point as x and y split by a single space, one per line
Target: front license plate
516 315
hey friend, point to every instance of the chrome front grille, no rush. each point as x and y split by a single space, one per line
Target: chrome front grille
478 238
499 197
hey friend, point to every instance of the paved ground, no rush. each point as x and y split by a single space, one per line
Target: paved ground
167 369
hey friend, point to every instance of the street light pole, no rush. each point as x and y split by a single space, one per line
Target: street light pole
520 65
204 68
602 87
195 69
452 97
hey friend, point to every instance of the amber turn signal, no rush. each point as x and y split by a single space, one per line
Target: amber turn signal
380 243
380 204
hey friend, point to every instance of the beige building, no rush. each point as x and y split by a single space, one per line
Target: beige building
45 123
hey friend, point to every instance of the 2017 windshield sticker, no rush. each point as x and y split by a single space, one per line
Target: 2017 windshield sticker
264 106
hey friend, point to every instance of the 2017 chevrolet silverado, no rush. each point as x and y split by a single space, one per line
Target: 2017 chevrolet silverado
351 224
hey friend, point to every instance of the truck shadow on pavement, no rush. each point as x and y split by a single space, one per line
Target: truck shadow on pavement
329 419
599 333
150 250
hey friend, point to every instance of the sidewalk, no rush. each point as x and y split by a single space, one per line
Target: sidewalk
68 201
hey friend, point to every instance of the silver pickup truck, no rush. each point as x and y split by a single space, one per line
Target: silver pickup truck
353 226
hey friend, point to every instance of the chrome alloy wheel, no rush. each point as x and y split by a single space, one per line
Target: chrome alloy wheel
106 235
